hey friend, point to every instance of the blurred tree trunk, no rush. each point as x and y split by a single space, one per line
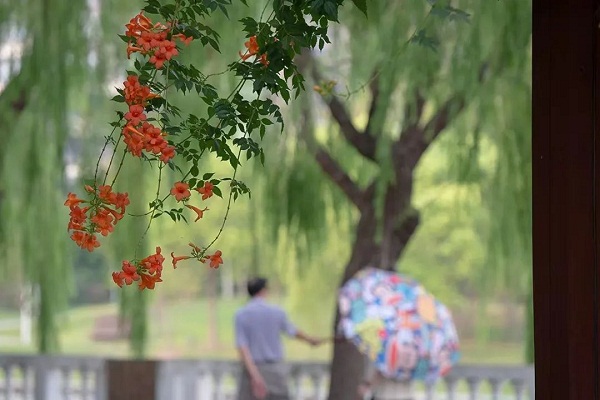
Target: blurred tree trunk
212 305
380 238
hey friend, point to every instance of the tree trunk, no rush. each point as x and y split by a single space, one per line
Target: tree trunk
213 310
347 367
378 244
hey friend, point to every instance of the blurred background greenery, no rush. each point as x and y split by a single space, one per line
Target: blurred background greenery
59 63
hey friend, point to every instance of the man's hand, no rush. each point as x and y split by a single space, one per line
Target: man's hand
259 388
364 389
315 341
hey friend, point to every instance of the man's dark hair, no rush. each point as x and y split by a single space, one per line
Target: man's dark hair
255 285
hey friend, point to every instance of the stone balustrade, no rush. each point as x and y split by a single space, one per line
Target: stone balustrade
25 377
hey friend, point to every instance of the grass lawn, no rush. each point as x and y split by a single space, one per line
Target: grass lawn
181 330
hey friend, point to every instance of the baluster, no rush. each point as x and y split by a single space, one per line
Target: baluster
176 387
3 382
321 392
230 386
24 381
429 391
64 383
18 381
100 383
74 384
206 386
189 384
519 387
217 379
314 381
9 384
473 387
51 385
84 373
451 387
298 385
14 371
495 385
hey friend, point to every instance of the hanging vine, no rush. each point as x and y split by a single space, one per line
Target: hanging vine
153 129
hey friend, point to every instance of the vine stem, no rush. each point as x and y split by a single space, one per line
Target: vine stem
157 201
119 168
140 242
390 61
106 142
230 194
161 165
228 204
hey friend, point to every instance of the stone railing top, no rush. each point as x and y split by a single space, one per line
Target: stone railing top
178 379
52 361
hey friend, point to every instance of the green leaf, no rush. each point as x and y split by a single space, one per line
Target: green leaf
167 10
125 38
331 9
451 13
422 39
362 5
217 191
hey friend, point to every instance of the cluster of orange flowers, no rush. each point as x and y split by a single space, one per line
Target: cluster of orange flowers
152 39
141 135
252 50
147 271
198 254
181 192
105 209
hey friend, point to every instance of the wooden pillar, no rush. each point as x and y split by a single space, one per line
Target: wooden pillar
566 203
129 379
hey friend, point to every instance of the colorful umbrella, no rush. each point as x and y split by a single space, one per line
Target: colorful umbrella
404 330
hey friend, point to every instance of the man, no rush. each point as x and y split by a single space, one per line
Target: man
258 329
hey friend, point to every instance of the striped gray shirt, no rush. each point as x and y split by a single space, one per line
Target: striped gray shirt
258 327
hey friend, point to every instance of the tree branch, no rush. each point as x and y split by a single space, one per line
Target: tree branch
447 112
374 88
364 142
414 140
339 176
328 164
412 120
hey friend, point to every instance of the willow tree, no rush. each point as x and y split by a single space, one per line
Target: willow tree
56 53
34 120
428 74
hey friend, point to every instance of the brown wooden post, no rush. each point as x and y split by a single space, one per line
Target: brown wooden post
131 379
566 206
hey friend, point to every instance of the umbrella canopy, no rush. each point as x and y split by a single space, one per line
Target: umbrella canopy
404 330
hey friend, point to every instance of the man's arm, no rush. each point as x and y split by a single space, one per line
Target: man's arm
259 388
313 341
294 332
249 363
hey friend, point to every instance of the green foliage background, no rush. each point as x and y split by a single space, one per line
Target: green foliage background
473 186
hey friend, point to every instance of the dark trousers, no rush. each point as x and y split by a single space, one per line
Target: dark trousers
275 376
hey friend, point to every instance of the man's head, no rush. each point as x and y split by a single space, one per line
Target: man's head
257 286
